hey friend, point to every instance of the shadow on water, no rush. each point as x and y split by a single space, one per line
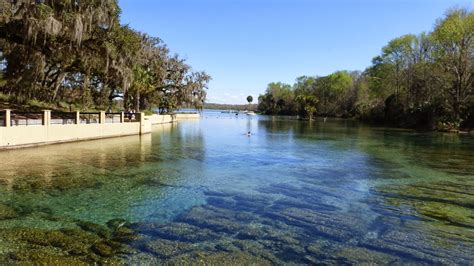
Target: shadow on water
203 191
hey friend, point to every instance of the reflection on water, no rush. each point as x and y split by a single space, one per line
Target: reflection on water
56 159
203 191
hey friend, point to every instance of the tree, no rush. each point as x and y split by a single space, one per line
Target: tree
397 53
454 54
308 104
77 51
249 99
418 81
277 100
331 90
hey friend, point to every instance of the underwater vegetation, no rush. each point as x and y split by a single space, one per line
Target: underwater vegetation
293 193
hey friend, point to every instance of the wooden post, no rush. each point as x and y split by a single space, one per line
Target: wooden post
102 117
78 117
141 118
46 117
8 118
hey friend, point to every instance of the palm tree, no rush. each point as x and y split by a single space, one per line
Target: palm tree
250 100
308 103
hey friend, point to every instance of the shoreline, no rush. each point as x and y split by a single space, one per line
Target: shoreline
461 131
19 137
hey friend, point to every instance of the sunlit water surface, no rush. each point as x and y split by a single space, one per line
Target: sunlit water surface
203 191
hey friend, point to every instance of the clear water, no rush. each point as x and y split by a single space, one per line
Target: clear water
204 192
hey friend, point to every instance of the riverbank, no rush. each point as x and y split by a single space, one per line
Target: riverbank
385 124
164 119
22 130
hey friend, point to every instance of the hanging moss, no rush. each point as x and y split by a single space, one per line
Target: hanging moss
77 52
52 26
78 30
44 11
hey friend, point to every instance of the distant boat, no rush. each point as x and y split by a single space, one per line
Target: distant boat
251 113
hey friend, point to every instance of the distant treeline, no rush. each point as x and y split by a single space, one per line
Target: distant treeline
418 81
240 107
76 53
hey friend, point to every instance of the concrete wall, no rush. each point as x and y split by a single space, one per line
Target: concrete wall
33 135
24 136
163 119
159 119
187 116
12 136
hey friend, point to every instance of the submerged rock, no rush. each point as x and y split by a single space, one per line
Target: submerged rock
45 257
257 249
143 258
71 244
103 249
334 226
251 232
127 235
213 218
218 258
117 223
7 212
227 246
424 248
175 231
166 248
357 255
98 229
65 246
185 232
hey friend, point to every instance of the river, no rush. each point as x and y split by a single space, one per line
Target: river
294 192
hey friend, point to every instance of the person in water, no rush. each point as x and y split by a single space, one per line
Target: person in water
249 134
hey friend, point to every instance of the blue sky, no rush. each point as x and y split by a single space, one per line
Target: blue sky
246 44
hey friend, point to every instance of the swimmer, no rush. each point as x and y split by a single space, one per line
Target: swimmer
249 134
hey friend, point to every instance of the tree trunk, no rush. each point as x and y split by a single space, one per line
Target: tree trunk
85 87
125 101
137 101
57 85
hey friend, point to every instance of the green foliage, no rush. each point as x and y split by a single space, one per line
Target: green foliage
76 52
249 99
44 11
278 99
148 112
332 90
237 107
308 104
4 98
333 93
418 81
454 55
